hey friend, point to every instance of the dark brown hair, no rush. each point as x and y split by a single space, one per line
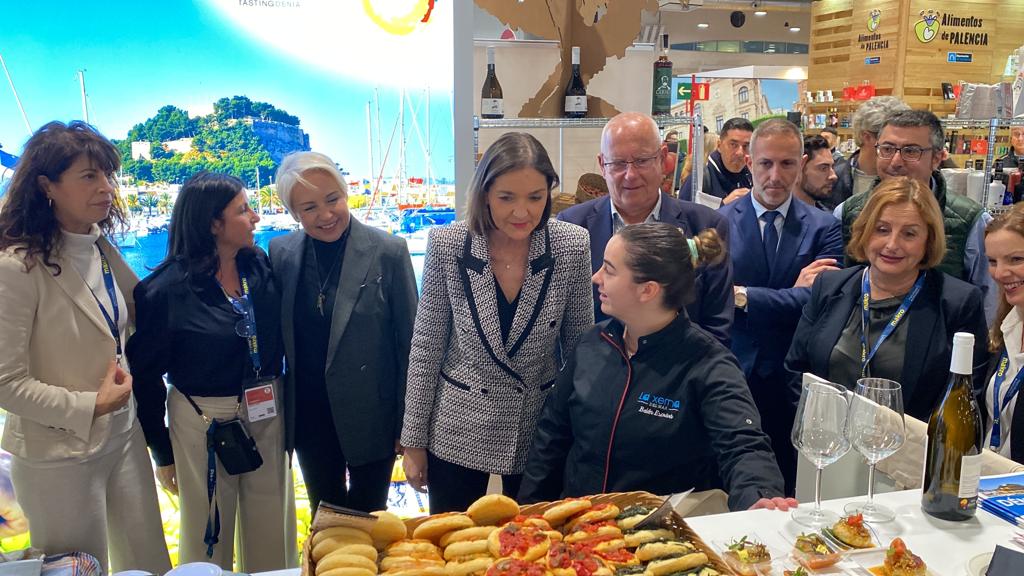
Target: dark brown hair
1011 221
659 252
511 151
27 221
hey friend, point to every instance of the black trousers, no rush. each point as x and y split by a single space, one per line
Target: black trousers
452 488
324 469
776 401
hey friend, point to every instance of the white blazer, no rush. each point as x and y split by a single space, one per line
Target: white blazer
55 346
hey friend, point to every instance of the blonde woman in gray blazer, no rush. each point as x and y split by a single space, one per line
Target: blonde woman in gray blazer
79 462
505 297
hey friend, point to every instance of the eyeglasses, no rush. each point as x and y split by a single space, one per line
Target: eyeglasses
620 166
911 153
241 306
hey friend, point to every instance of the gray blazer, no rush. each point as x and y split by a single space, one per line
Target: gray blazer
371 330
472 399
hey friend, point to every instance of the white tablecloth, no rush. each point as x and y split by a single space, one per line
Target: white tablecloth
945 546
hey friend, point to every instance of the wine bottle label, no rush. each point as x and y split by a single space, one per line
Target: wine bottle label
970 474
661 95
575 103
492 106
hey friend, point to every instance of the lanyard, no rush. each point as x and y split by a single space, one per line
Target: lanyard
250 317
890 327
1004 363
112 323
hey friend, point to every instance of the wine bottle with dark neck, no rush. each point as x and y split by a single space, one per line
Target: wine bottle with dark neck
661 94
575 92
953 455
491 103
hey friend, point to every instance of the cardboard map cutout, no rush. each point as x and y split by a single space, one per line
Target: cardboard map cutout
572 23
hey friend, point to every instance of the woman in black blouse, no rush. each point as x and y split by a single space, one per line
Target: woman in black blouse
905 333
209 318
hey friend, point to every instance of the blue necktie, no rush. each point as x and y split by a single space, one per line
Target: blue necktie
771 237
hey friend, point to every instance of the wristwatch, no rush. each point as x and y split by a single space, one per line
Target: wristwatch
740 294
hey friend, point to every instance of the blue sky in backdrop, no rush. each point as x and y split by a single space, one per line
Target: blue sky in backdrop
319 60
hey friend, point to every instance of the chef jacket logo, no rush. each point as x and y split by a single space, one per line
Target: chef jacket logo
658 406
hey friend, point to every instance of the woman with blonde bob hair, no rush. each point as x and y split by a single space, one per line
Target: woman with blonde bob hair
347 308
898 312
503 293
1004 245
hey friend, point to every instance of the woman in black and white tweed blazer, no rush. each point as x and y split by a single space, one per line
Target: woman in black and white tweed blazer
506 294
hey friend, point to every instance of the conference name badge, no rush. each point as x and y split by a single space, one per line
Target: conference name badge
260 402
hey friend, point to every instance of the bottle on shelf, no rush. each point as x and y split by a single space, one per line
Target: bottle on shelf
1017 181
953 454
661 93
491 103
575 92
996 192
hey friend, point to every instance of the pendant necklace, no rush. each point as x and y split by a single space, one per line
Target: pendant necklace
321 293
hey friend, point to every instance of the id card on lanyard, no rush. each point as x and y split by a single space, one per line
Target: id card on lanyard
890 327
259 397
113 317
1011 393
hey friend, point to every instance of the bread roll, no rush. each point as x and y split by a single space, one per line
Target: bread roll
492 509
598 513
349 571
390 563
459 549
364 550
423 571
332 543
676 564
387 529
469 567
466 534
436 526
353 534
655 550
562 511
409 547
635 539
332 561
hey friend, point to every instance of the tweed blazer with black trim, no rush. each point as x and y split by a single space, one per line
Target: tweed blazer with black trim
472 399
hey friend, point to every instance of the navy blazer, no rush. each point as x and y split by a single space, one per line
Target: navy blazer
761 334
712 307
945 306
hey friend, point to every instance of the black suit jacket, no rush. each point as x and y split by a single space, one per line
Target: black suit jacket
371 332
712 307
944 306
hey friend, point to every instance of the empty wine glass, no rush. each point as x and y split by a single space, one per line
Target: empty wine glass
819 433
876 429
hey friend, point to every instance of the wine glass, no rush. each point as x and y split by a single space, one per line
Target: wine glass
876 429
819 433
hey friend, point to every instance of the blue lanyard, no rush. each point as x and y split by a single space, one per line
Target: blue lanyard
997 407
250 316
865 299
112 323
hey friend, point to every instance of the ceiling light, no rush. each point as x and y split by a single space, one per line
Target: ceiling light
794 28
760 12
703 25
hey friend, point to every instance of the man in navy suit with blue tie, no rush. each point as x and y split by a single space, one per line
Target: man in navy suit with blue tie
777 247
632 162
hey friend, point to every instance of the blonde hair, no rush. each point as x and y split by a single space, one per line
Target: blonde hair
1011 221
893 191
292 171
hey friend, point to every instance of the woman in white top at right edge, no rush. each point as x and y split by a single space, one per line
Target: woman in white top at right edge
1004 245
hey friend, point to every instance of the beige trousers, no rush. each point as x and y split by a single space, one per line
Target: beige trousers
261 502
106 502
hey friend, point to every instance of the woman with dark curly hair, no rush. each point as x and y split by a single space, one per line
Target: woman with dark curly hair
79 464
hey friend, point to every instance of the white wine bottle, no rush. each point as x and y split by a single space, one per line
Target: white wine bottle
953 456
491 103
575 92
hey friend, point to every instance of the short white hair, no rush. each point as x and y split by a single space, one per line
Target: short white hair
292 171
870 116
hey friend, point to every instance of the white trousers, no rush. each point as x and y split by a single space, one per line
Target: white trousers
104 502
262 501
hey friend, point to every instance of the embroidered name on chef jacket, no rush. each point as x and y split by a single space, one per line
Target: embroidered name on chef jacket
658 406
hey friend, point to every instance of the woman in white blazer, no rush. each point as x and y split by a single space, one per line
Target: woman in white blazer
79 465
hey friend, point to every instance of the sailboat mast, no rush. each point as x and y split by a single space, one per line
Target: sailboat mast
369 139
16 97
429 183
380 147
85 107
401 143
